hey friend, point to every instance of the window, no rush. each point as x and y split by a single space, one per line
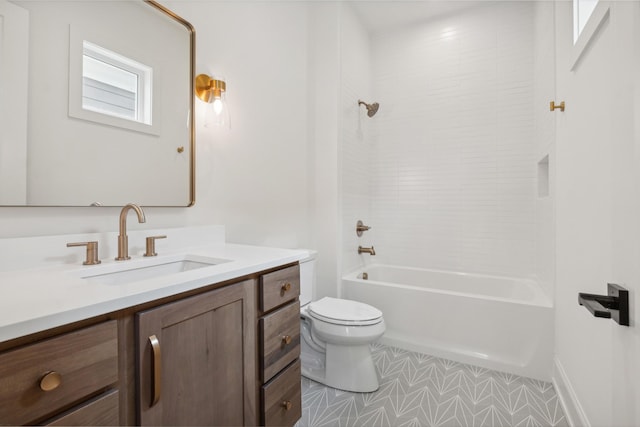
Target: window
582 10
115 85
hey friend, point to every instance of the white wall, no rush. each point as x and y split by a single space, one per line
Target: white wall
255 178
14 65
324 123
544 144
453 183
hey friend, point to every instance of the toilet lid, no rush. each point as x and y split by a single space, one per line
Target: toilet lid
344 312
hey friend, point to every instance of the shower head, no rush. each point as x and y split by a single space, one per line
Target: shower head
372 109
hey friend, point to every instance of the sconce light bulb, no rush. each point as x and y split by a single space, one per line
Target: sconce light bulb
217 106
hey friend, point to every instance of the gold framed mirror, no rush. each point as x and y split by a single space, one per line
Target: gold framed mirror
99 104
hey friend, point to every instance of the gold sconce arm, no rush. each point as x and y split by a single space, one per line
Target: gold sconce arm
208 89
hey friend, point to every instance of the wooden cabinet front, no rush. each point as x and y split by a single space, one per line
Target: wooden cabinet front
100 411
279 326
42 379
280 339
282 398
196 359
279 287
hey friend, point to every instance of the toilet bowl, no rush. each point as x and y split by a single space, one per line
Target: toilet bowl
335 338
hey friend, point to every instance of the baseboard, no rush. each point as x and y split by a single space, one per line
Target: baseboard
573 411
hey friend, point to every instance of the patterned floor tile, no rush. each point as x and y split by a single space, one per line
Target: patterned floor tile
418 390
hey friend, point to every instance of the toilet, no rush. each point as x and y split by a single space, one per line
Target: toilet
335 337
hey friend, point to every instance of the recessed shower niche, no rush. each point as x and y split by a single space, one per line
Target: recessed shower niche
543 177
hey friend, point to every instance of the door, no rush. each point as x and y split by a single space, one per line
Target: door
597 363
197 360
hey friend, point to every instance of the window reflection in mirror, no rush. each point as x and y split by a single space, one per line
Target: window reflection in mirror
115 85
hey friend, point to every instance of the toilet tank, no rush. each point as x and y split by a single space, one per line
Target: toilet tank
307 278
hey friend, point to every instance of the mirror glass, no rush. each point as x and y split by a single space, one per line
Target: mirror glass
96 101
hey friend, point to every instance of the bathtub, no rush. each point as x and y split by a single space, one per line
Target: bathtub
495 322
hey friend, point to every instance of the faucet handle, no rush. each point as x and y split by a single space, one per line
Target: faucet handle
151 245
361 228
92 252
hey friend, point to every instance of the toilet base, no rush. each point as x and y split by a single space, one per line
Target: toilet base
348 368
351 368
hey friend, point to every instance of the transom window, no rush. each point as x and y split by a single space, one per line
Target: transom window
582 10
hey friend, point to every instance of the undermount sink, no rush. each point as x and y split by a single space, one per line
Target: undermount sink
133 271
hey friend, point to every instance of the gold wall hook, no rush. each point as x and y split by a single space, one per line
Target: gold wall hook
553 106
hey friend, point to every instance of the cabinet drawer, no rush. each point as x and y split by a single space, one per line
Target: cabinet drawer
85 361
278 287
282 398
101 411
279 339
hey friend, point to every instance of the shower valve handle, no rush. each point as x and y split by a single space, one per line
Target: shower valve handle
361 228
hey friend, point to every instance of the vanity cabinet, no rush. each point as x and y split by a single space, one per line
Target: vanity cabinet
227 354
279 327
196 359
62 375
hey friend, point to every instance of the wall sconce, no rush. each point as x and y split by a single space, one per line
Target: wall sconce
212 92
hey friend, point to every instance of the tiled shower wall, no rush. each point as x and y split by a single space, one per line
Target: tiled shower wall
356 134
452 181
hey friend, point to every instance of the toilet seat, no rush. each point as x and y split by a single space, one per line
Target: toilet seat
344 312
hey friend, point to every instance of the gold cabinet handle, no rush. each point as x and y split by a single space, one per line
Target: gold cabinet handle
50 381
286 405
156 370
284 288
286 340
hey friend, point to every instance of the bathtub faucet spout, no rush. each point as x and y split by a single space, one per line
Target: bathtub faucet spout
371 251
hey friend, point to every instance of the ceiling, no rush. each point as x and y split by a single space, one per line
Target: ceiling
381 15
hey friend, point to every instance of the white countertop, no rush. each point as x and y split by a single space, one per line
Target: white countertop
50 294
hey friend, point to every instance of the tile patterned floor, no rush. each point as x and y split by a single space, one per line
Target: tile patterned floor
418 390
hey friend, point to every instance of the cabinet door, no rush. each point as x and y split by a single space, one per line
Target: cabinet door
197 360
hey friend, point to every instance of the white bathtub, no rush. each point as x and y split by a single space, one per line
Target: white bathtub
495 322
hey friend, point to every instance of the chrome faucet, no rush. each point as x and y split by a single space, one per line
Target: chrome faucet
371 251
123 240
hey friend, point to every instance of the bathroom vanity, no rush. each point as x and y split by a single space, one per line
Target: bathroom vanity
215 345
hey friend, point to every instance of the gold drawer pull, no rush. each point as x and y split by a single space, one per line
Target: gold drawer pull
50 381
286 405
286 340
156 370
284 288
